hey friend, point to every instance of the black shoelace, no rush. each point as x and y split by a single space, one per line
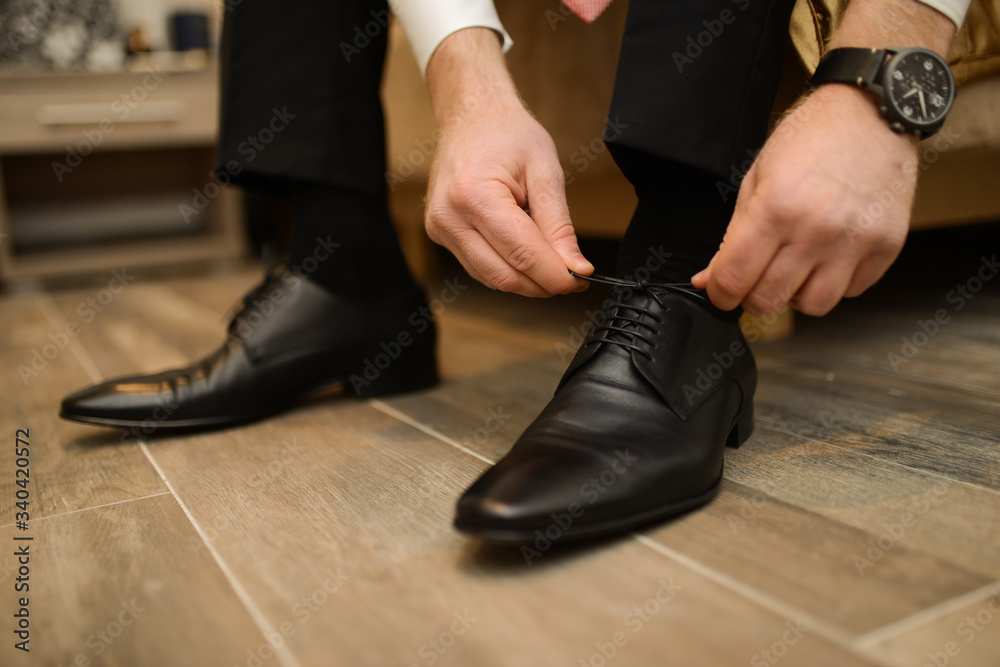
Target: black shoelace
631 326
272 272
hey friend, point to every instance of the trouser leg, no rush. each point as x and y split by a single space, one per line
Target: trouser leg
300 92
694 90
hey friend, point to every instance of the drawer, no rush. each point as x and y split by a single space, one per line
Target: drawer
107 111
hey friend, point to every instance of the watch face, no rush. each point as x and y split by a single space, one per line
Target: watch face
919 88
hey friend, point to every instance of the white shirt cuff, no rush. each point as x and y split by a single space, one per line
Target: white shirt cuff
428 22
953 9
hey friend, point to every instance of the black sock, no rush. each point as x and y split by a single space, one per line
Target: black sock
344 240
678 224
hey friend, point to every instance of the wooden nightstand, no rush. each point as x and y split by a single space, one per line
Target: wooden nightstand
101 170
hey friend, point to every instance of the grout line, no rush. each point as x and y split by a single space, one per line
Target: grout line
393 412
920 471
740 588
755 595
283 653
925 616
87 509
48 305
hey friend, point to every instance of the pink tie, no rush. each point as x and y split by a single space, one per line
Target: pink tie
588 10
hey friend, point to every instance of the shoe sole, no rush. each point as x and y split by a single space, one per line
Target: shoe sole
523 536
210 423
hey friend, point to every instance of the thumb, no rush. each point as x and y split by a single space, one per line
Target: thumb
700 280
550 213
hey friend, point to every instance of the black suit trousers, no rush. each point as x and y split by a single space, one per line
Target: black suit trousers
300 86
316 66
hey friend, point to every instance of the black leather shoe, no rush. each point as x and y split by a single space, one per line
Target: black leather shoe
290 338
636 430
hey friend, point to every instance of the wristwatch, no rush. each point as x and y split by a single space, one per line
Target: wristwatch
913 87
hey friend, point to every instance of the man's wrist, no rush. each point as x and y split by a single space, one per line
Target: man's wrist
467 72
881 24
858 110
894 23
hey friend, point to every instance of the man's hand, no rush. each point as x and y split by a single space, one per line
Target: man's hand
497 197
821 214
825 209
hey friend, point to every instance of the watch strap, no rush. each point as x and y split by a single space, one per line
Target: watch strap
849 65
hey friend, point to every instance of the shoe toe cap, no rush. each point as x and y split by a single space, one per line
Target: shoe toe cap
531 489
134 399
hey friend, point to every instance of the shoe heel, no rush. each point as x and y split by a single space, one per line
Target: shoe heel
742 429
410 372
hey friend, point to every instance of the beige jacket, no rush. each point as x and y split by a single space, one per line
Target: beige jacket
975 53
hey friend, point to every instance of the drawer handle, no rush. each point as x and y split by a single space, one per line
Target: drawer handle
154 111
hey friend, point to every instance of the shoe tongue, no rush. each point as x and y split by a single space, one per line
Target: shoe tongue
686 338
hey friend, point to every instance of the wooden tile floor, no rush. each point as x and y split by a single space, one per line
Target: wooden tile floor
860 525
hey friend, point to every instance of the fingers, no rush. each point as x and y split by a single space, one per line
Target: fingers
482 262
482 221
868 271
500 245
823 289
520 250
746 252
804 265
782 281
550 213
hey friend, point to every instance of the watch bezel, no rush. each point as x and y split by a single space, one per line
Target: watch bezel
892 111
